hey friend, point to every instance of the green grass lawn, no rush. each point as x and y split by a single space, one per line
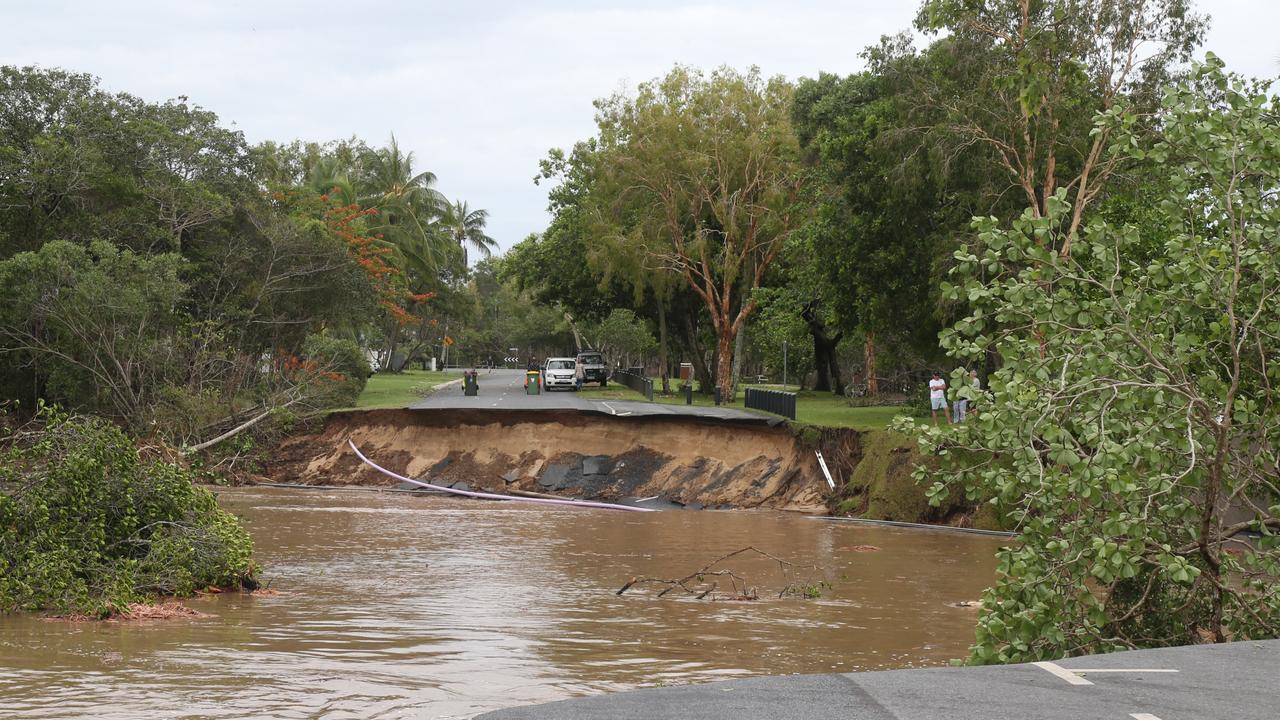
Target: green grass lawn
396 390
813 408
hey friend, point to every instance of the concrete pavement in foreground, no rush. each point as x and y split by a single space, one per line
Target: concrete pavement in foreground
504 390
1236 681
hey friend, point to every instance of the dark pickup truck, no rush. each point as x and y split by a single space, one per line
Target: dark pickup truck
594 368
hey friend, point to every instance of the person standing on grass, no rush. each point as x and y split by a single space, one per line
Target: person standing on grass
579 374
938 398
960 406
977 392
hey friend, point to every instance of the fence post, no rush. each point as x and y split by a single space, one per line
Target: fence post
779 403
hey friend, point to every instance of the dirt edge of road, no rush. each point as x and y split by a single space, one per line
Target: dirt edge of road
694 462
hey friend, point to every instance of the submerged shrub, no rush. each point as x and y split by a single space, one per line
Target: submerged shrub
87 525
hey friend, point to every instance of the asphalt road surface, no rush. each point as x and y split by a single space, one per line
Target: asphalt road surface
504 390
1236 681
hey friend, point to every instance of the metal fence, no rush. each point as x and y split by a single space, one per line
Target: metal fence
635 381
774 401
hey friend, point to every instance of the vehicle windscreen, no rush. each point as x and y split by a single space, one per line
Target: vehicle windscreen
560 365
591 359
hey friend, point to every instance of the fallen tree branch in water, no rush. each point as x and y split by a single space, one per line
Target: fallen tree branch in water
697 585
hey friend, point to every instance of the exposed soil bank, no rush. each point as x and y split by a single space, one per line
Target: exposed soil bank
692 462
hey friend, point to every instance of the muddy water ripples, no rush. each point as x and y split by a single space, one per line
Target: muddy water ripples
397 606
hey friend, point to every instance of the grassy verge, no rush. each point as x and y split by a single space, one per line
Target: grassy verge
812 408
396 390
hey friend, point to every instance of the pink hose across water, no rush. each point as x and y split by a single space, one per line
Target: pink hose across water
492 496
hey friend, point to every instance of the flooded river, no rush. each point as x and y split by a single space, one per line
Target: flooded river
397 606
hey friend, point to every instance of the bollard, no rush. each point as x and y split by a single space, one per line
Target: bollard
688 392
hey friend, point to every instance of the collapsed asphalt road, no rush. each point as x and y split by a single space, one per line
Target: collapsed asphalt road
1235 681
504 390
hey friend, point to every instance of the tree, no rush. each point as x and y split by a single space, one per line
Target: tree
96 327
1130 435
466 226
1025 78
889 211
408 206
80 164
616 260
780 321
622 333
703 170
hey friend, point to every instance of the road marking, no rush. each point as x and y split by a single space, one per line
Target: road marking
1072 675
1143 716
614 411
1061 672
1130 670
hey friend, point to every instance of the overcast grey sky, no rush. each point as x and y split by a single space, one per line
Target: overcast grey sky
478 91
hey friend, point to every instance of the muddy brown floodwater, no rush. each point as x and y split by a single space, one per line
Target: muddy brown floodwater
397 606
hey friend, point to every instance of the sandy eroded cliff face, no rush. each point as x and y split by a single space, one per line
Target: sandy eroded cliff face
692 462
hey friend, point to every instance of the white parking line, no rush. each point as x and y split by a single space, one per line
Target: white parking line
614 411
1128 670
1143 716
1061 672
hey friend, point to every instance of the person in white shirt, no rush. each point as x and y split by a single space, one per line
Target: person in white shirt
938 398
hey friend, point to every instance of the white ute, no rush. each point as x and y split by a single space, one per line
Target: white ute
559 373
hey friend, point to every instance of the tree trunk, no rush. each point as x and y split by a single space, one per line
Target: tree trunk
577 337
736 376
822 382
724 362
837 385
389 360
701 371
824 351
869 355
665 366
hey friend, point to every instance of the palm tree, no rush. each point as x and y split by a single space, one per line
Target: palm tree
467 226
408 207
328 176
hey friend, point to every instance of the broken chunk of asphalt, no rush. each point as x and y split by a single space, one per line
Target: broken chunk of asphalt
597 465
554 476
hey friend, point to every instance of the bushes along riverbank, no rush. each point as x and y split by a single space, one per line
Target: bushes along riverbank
89 525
